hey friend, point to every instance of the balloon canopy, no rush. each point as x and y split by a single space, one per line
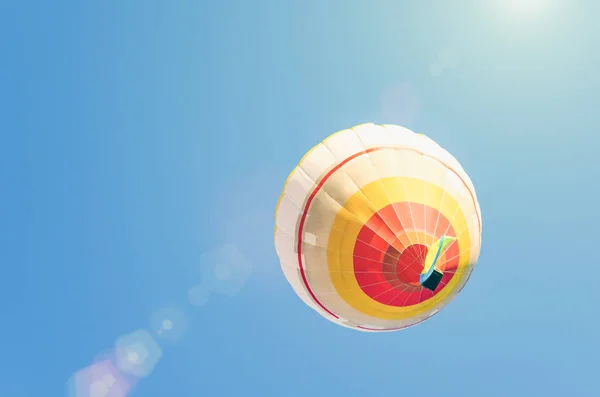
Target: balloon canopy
378 228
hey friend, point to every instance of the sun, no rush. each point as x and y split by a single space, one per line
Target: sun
525 7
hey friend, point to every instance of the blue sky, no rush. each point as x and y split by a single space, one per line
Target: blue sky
141 137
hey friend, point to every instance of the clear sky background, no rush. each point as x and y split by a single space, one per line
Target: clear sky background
139 136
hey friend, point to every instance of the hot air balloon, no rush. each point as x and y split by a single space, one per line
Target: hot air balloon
378 228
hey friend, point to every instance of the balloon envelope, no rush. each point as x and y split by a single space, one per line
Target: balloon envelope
357 220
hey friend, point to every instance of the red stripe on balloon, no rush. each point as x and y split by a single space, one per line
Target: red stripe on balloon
391 277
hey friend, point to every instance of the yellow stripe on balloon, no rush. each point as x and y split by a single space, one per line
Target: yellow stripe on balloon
380 193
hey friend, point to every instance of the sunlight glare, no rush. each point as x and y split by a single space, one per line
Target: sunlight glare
530 9
524 5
